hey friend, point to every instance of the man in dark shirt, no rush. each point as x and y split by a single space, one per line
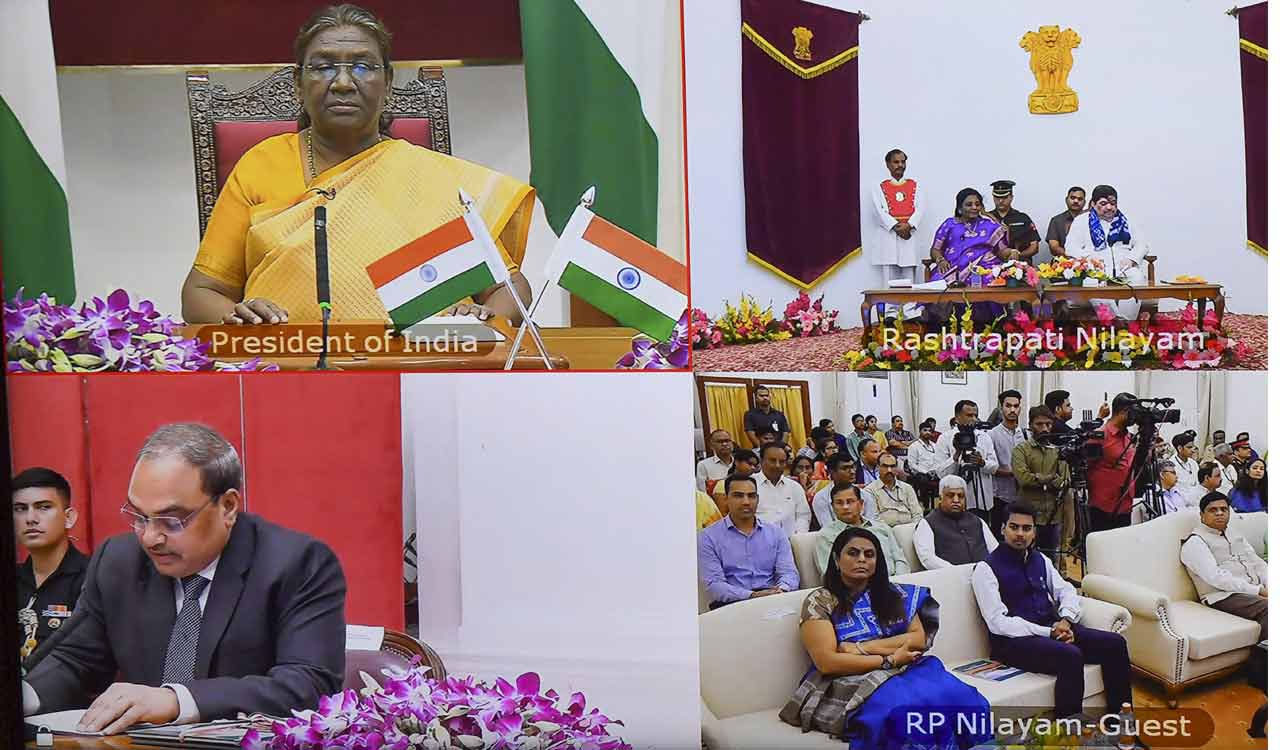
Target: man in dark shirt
50 580
764 418
1024 238
1061 224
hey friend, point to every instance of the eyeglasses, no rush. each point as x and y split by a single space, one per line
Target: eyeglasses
328 71
168 525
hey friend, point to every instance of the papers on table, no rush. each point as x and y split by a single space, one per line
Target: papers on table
364 638
936 285
455 326
61 722
903 283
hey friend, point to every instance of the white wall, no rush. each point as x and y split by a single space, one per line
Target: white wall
1160 118
131 191
556 534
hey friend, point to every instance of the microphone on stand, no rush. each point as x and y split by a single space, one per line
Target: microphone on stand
322 274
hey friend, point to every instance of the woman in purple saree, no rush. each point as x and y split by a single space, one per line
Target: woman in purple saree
967 241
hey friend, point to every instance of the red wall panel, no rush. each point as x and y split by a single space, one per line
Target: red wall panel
122 409
324 457
46 428
164 32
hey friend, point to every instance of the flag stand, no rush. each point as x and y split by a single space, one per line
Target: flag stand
588 198
528 323
525 324
481 232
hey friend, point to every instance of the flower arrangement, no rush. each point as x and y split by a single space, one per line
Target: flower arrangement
806 317
703 333
1010 273
749 323
1074 270
1020 342
647 354
413 711
111 334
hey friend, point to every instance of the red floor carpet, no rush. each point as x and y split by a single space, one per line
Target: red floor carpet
821 353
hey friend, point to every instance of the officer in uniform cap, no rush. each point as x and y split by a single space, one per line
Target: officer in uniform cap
1024 238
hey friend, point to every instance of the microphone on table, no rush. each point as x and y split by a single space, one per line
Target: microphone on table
322 273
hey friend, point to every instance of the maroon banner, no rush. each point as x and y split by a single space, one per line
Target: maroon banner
1253 90
225 32
800 137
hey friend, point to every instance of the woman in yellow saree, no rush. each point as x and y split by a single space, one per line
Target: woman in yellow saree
256 263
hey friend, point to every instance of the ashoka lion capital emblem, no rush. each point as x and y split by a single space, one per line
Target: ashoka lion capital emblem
1051 62
803 37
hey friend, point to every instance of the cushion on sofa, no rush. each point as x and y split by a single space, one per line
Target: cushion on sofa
1210 632
1157 566
904 533
802 546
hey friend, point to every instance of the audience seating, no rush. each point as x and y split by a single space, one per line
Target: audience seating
397 651
751 659
802 546
1175 639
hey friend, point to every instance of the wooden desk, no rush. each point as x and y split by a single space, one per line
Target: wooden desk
1201 294
587 348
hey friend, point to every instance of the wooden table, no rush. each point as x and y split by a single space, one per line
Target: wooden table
583 348
1201 294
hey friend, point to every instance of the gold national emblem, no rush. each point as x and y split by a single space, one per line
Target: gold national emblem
803 37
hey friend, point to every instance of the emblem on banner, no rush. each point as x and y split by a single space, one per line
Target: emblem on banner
803 37
1051 62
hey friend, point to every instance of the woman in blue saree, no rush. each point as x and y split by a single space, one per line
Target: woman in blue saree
1250 493
871 682
967 241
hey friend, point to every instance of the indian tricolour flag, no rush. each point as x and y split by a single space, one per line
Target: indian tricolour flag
597 104
35 235
435 271
623 276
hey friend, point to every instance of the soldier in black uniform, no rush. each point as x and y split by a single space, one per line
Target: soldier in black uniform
1024 238
50 579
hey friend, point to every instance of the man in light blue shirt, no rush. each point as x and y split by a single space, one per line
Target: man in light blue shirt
742 557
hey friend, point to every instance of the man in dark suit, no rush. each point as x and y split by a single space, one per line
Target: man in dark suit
203 611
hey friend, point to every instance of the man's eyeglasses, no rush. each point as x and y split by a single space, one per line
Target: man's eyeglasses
328 71
168 525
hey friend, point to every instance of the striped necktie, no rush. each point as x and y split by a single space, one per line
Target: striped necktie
180 659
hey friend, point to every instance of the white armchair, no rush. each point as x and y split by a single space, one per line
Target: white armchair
1174 639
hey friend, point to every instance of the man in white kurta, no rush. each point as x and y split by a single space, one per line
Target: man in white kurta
1104 232
895 246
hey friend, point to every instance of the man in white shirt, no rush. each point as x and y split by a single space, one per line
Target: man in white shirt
1033 616
1171 495
1226 570
896 247
1184 460
1104 232
782 499
840 468
717 466
1223 454
1208 479
975 465
895 501
1006 436
950 535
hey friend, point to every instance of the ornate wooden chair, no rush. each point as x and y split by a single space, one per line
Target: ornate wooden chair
226 124
398 649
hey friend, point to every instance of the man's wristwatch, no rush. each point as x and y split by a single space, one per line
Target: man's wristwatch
886 662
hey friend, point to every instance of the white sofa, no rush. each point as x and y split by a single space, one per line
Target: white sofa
1174 638
802 546
751 660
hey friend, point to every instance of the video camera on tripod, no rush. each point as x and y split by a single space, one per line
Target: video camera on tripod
966 443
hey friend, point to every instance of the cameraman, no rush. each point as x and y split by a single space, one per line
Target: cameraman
1040 477
1111 480
970 455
